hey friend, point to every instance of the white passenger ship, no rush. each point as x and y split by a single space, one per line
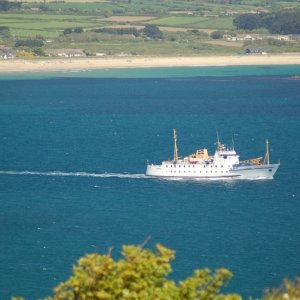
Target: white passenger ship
224 164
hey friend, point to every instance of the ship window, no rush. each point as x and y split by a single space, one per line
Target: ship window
221 166
216 166
270 170
193 166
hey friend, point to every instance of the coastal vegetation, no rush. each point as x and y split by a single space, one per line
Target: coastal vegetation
144 27
141 274
282 22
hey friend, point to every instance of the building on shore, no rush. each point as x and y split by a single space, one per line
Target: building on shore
7 53
65 52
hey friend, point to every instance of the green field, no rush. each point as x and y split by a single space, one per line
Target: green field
51 25
29 25
177 21
53 6
216 23
161 7
196 22
48 20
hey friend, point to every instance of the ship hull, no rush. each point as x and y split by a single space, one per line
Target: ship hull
255 172
188 171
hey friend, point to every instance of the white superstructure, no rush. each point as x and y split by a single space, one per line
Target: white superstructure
223 164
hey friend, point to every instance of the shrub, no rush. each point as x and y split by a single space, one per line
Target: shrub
31 43
152 31
216 35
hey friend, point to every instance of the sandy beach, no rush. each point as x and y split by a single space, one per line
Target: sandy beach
69 64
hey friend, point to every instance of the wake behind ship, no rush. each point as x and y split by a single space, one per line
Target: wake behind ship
224 164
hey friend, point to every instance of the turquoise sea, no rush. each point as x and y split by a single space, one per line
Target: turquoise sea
73 154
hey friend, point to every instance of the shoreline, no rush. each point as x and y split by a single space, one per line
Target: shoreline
72 64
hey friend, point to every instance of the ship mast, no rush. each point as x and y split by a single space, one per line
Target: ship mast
267 156
220 146
175 146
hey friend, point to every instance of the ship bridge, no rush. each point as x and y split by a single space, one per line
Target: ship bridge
227 153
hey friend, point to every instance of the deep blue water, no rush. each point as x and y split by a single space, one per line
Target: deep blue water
107 128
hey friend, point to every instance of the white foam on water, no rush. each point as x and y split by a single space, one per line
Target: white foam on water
75 174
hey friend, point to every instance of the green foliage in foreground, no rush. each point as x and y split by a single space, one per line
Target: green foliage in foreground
289 290
141 275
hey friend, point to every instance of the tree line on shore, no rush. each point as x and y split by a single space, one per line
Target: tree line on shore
282 22
9 5
150 31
